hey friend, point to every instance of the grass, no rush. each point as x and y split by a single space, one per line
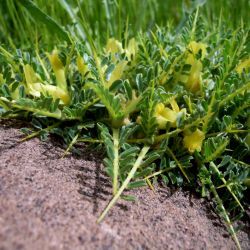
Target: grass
163 87
109 18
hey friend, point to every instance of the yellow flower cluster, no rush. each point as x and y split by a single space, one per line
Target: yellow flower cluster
192 140
164 114
35 86
113 47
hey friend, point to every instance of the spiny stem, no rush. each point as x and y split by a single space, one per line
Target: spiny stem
209 113
70 145
236 131
39 111
150 184
235 93
241 162
240 109
167 135
225 182
57 115
38 132
125 183
225 215
116 160
159 172
178 130
162 137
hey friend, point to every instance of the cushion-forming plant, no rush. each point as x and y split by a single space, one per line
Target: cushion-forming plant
167 106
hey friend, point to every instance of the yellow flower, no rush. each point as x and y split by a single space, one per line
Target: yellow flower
58 69
55 92
117 72
32 80
55 61
113 46
195 47
131 49
30 74
245 64
35 87
193 141
164 114
193 80
82 67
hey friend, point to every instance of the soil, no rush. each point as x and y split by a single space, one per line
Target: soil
50 202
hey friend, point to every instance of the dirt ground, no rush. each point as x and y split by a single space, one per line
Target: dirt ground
50 202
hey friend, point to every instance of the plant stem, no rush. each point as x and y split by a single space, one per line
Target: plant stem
38 132
162 137
235 93
236 131
241 162
167 135
159 172
39 111
225 182
70 145
209 113
224 212
125 183
116 160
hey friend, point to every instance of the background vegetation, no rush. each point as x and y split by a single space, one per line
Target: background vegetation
104 18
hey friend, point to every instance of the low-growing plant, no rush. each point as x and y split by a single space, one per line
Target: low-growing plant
167 106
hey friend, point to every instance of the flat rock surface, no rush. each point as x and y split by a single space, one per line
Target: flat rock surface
50 202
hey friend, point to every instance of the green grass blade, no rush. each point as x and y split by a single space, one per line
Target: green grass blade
73 17
40 16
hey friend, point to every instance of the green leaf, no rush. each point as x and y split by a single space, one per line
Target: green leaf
214 147
128 197
148 120
109 70
136 184
111 102
40 16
